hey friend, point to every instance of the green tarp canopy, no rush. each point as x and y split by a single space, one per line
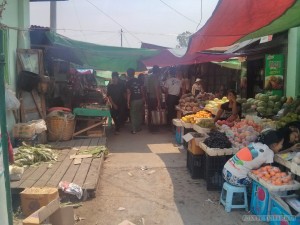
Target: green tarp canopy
231 64
97 56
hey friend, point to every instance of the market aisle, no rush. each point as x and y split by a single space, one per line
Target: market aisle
145 181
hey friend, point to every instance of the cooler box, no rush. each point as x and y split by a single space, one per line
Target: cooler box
285 210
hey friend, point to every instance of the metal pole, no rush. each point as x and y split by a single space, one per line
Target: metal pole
121 38
4 133
53 15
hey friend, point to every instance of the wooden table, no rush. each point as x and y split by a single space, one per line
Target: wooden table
91 115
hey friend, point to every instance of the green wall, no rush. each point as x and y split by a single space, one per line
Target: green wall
16 15
292 85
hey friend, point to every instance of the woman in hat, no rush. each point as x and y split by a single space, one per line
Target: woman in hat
197 87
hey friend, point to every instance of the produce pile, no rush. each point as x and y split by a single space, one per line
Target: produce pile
213 106
217 139
290 117
273 175
96 152
193 118
207 123
242 133
188 103
28 155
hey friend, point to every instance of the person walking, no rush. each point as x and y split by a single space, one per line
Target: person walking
135 101
115 93
153 95
172 89
197 87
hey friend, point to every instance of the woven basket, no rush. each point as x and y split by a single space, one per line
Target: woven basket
60 128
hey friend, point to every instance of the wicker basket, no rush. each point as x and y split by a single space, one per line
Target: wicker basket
60 128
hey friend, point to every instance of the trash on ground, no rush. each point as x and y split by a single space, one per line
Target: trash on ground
126 222
71 188
74 205
121 208
151 172
78 218
130 174
144 167
209 200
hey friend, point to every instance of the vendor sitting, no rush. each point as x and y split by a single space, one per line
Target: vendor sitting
230 110
236 169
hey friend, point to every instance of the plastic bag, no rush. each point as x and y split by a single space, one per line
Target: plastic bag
71 188
11 102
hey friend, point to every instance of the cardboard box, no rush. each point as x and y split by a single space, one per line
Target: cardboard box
193 145
33 199
42 214
63 216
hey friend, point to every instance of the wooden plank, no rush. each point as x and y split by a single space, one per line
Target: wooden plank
49 173
34 177
70 169
93 175
81 156
85 165
62 169
86 129
77 161
27 173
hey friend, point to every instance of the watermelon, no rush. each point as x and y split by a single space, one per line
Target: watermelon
283 99
264 97
262 104
277 104
257 96
271 104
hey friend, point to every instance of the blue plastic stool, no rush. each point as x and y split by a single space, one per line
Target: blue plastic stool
227 199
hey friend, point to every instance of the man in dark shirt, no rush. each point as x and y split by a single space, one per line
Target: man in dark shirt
135 101
115 93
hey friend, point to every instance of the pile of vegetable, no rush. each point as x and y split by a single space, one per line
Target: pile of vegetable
188 103
29 155
206 123
217 139
193 118
273 175
96 152
213 106
264 104
290 117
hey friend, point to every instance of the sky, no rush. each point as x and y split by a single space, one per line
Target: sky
100 21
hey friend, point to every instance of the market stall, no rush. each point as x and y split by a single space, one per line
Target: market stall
209 145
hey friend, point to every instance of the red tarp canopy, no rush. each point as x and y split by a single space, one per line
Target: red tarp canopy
234 19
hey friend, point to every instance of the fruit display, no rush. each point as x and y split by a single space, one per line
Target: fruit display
213 106
207 123
290 117
264 104
194 118
217 139
273 175
188 103
242 133
225 122
205 96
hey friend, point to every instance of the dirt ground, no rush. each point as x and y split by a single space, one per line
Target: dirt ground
145 181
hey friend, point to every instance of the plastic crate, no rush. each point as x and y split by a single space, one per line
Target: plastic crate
195 165
213 171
